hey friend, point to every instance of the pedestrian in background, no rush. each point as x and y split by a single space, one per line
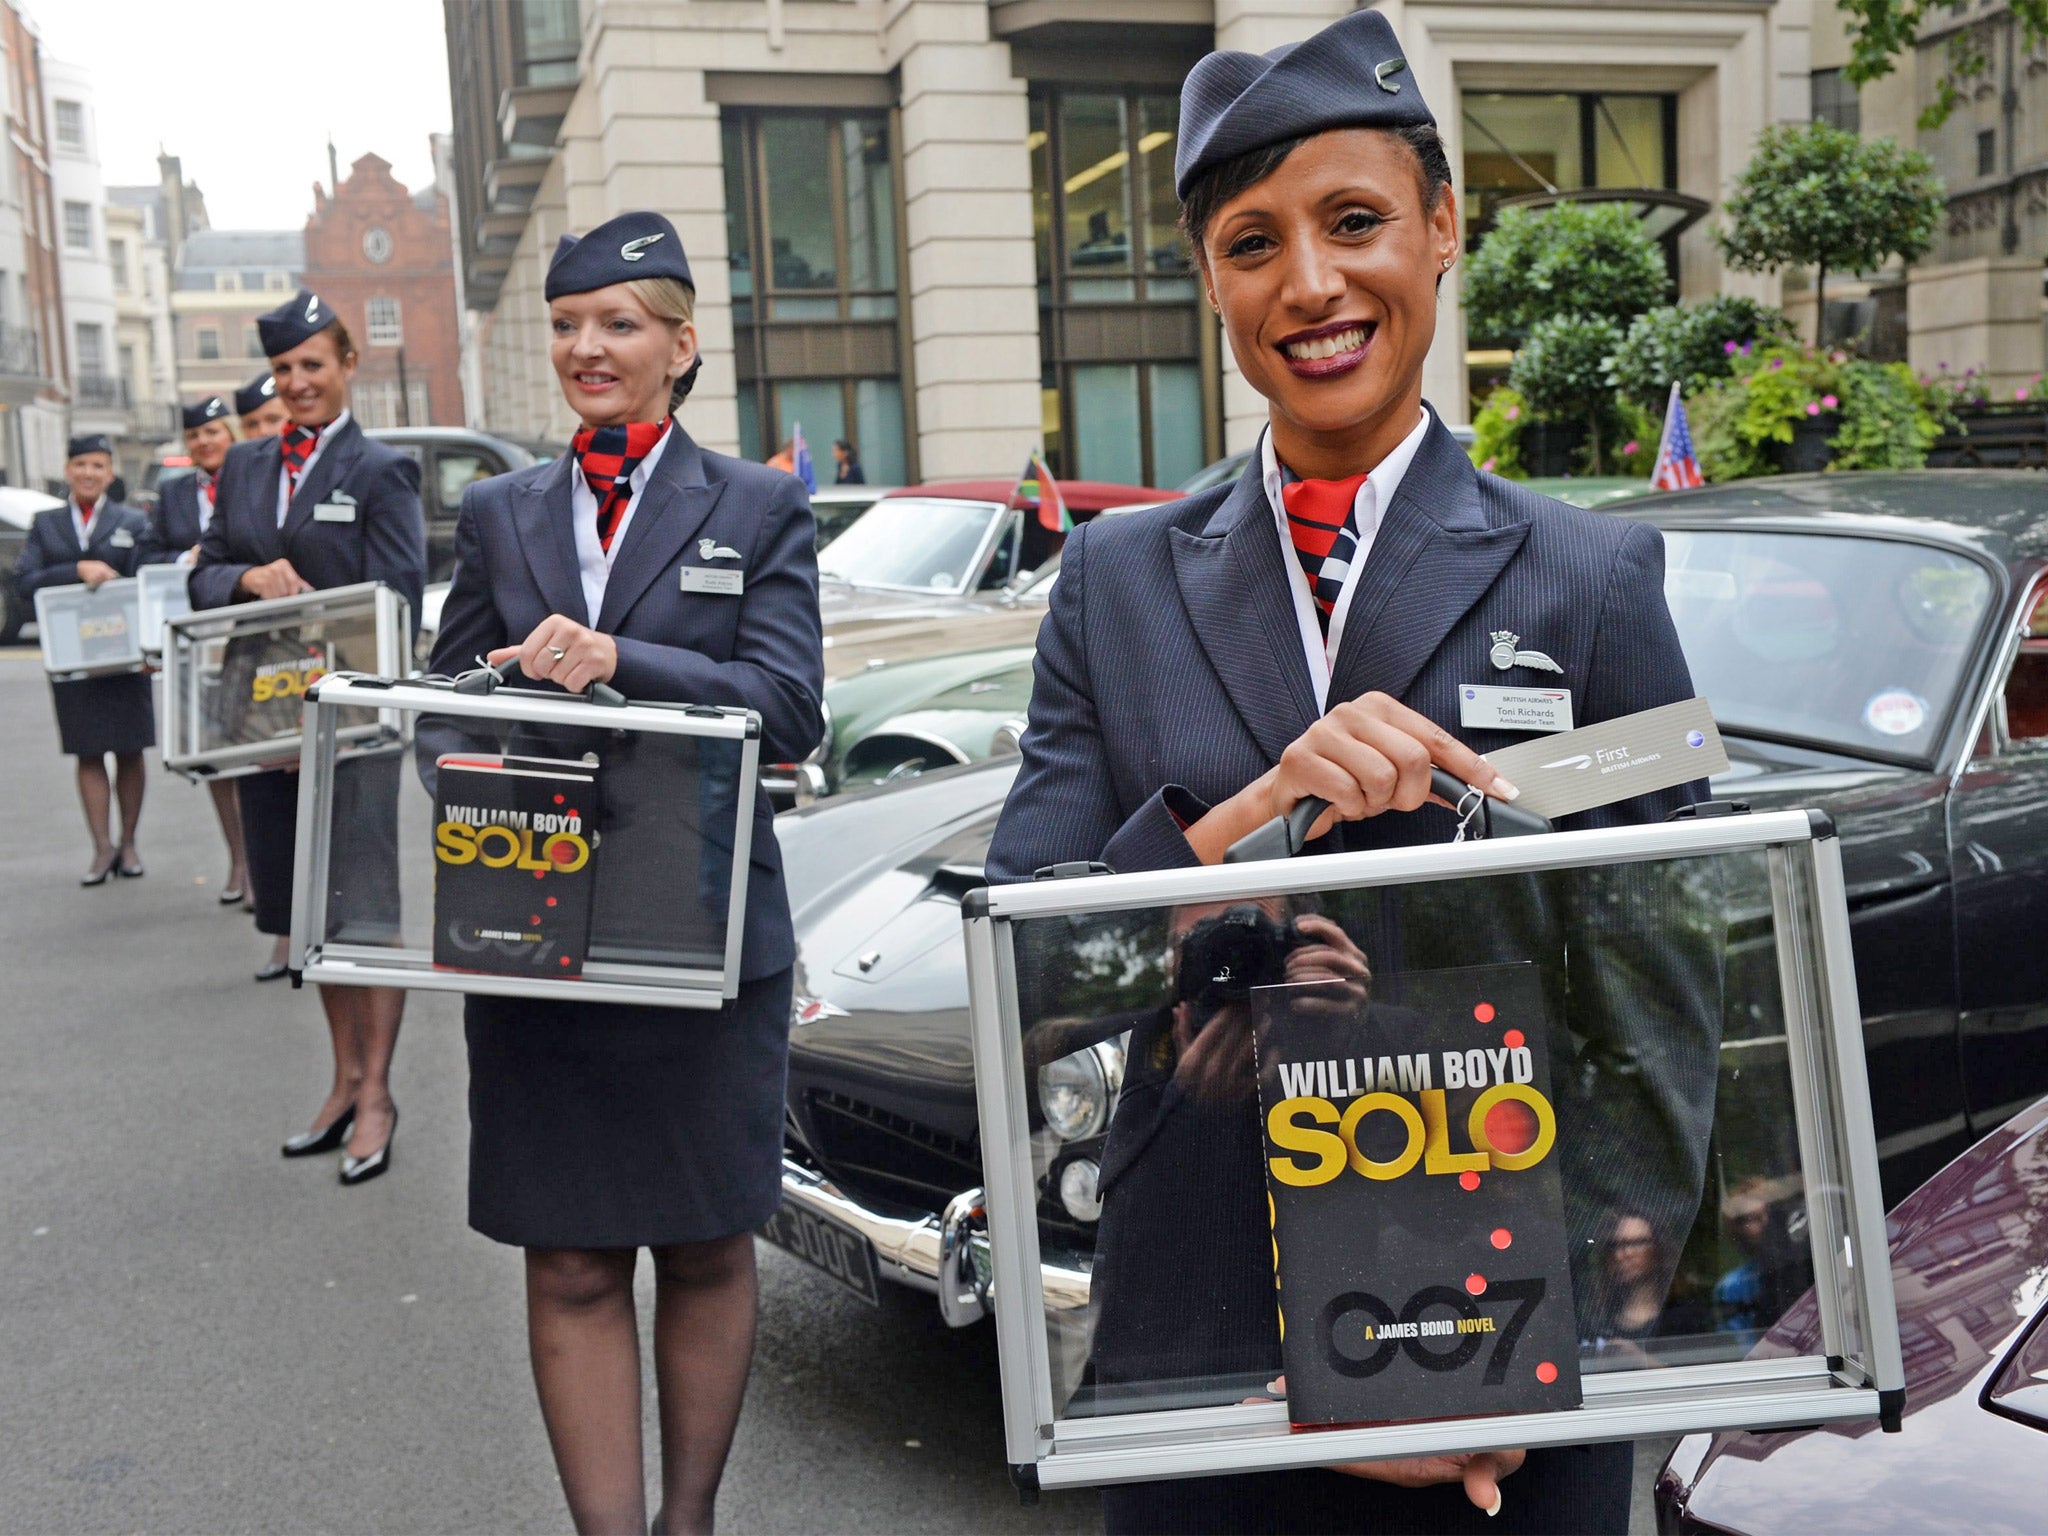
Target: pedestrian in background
262 413
847 470
93 539
323 506
597 1130
183 509
784 458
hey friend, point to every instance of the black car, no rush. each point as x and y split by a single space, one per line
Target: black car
1875 645
450 458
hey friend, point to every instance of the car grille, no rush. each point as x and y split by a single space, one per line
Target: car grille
874 1152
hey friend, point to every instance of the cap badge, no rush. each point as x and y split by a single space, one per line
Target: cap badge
313 309
1505 657
1384 70
269 387
636 250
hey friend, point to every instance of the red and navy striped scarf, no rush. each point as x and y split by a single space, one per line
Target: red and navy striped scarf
607 456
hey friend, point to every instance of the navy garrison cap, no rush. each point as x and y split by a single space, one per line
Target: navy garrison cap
251 395
300 318
212 408
1352 74
617 251
91 442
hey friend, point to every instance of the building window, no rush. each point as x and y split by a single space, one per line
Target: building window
1837 101
252 341
134 380
78 226
92 350
377 404
383 327
117 258
277 282
70 125
225 282
1120 331
209 343
550 34
815 318
1987 152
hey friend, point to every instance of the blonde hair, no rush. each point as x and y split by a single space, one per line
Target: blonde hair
675 302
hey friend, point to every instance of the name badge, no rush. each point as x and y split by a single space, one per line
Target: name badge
1514 709
697 578
122 539
1599 764
334 512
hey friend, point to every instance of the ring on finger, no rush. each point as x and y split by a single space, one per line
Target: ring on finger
557 652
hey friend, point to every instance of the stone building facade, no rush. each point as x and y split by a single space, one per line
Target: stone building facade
33 355
224 279
944 228
381 255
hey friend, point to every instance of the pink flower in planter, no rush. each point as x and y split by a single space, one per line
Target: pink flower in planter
1514 413
2020 395
1829 402
1488 466
1777 363
1813 407
1630 448
1730 348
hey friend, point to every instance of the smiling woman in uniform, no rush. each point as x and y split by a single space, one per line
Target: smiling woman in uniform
675 575
1307 631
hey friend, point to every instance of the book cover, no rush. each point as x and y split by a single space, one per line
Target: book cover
263 683
1417 1207
515 855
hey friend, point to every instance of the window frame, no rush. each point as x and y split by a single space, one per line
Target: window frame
376 334
201 335
77 237
2031 625
77 113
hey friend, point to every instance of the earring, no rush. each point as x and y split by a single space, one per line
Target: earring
1447 263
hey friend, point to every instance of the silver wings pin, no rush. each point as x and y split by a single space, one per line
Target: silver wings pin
1505 657
711 549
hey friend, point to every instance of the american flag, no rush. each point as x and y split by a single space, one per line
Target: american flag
1677 467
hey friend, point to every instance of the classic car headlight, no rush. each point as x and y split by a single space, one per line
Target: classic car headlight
1078 1192
1077 1092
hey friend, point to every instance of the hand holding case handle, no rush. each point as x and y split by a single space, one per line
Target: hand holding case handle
1283 836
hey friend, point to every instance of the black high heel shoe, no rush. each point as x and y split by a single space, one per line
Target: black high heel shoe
326 1139
360 1170
99 874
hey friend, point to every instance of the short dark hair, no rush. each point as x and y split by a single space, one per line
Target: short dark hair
1232 177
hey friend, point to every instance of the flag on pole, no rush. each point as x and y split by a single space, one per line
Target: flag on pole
800 454
1677 468
1038 492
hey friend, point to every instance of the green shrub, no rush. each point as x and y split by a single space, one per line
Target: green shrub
1693 345
1888 418
1497 434
1561 371
1577 259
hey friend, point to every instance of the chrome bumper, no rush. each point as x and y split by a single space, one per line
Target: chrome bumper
947 1254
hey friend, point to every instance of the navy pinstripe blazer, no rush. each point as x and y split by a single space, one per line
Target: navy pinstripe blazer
1170 671
762 649
174 525
50 554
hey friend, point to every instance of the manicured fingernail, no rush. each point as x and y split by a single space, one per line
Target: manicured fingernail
1276 1389
1504 789
1493 1508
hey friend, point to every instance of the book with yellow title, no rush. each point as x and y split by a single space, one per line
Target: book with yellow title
515 851
1418 1214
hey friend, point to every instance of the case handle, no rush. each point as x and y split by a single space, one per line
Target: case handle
1283 836
485 678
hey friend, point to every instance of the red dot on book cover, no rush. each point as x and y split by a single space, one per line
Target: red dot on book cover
1501 1237
565 959
540 874
1511 1127
1476 1284
1546 1373
535 919
1468 1180
560 798
1483 1013
551 901
1514 1039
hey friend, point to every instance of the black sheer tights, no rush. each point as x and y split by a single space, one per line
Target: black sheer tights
97 794
584 1335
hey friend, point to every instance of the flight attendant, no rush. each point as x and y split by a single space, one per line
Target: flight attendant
1306 632
182 513
262 413
323 506
597 1130
94 539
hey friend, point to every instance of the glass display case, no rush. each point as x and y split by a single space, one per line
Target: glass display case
90 631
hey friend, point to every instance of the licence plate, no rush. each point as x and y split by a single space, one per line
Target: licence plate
844 1254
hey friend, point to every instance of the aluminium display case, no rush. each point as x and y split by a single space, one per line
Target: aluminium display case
90 631
531 844
1688 996
162 594
235 677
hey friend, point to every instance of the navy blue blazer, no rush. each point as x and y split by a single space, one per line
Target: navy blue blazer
50 554
386 541
174 525
1170 672
763 649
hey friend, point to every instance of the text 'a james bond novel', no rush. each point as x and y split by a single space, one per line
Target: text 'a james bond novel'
514 852
1418 1212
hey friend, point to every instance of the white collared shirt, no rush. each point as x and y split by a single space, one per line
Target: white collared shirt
79 524
593 560
191 556
1375 495
284 479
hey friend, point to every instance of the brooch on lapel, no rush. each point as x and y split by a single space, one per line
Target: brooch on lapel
1505 657
711 549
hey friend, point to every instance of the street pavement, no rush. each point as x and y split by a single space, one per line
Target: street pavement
198 1336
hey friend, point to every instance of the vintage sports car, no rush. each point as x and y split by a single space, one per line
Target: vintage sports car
1969 1253
1874 645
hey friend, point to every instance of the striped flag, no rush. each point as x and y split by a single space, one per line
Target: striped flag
1038 492
1677 468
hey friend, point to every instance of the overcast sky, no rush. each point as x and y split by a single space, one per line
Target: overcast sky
248 94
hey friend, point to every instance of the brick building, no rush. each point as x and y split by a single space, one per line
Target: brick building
381 256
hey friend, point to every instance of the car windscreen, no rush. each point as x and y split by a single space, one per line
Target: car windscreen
1849 642
925 544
